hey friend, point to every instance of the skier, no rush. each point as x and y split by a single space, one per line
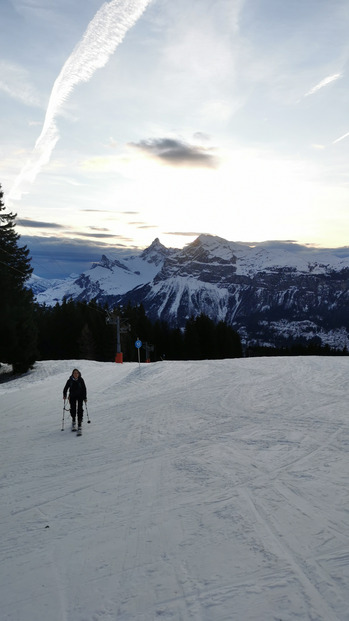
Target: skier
77 394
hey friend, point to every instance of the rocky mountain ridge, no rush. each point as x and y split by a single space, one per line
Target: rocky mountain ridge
269 292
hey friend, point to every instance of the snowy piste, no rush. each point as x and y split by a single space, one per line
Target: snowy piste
201 491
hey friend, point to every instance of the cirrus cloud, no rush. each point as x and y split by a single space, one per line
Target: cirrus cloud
328 80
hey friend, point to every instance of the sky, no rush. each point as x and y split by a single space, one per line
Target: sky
129 120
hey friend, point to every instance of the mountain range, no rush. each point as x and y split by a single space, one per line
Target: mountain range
270 292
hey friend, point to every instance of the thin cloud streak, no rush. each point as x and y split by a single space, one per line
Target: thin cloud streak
341 138
324 82
15 83
37 224
104 33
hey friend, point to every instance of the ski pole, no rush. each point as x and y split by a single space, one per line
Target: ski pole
88 419
63 416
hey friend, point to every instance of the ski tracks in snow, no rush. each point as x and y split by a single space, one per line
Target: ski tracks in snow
314 584
201 491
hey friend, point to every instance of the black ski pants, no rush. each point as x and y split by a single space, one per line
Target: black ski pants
73 403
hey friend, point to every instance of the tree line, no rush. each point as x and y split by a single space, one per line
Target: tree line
74 330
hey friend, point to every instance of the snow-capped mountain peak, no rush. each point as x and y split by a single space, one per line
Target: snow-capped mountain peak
155 253
262 289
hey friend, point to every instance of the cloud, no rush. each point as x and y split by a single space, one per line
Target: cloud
174 152
324 82
37 224
96 232
56 257
341 138
97 210
36 7
147 226
14 82
98 228
184 234
201 136
86 235
104 33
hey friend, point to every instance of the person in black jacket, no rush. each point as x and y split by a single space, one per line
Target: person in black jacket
77 394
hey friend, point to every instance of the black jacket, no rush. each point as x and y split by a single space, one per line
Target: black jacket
77 388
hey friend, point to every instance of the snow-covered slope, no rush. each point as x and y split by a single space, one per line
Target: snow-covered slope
209 491
254 287
39 285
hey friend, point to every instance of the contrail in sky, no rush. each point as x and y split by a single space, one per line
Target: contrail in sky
341 138
324 82
103 34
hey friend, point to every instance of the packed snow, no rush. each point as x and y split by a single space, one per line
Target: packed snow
203 491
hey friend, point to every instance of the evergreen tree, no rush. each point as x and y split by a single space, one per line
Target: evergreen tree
17 327
206 340
228 342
